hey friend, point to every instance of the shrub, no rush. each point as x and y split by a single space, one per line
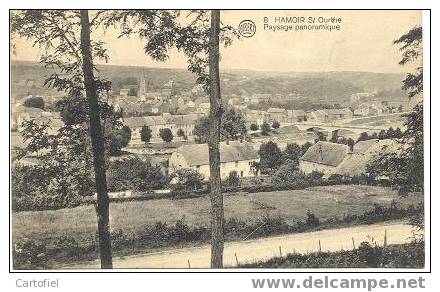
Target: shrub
68 245
275 124
254 127
36 102
29 254
166 135
311 220
134 174
233 179
186 179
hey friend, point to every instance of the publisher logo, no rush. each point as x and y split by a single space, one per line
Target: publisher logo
247 28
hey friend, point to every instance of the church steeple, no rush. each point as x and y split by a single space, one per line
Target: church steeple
142 86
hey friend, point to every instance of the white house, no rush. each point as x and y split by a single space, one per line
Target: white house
234 155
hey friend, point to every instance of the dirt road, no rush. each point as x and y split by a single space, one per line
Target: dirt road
265 248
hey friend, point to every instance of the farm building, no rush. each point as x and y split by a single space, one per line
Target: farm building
323 157
234 155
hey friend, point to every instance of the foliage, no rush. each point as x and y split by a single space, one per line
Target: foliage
411 46
293 153
187 179
253 127
166 135
145 134
232 126
288 174
368 255
265 128
233 179
132 173
119 138
270 157
275 124
166 29
34 101
29 254
180 133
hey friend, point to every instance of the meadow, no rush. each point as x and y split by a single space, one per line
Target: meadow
326 202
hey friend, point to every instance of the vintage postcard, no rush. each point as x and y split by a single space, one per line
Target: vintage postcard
175 139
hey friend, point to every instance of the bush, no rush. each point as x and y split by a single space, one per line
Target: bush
68 245
233 179
29 254
186 179
36 102
254 127
134 174
311 220
410 255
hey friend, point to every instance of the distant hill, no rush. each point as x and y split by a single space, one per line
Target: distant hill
28 78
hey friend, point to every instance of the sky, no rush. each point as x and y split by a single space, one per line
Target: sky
364 43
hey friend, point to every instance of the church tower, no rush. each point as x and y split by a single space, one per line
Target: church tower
142 92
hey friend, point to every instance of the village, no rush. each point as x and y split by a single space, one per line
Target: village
158 110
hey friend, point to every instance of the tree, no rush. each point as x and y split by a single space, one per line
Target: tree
134 174
350 142
363 136
198 37
102 204
233 126
34 101
180 133
145 134
265 128
382 134
216 111
119 138
405 168
275 124
287 173
270 157
187 179
254 127
56 32
292 153
166 135
411 46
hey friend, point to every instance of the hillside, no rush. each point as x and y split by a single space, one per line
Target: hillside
335 86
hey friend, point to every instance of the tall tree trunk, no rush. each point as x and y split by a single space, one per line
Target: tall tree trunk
217 214
102 207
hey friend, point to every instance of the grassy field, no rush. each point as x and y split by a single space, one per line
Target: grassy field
326 202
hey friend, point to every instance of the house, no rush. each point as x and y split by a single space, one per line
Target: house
276 114
155 123
257 98
186 123
294 116
234 156
356 162
255 117
324 157
331 115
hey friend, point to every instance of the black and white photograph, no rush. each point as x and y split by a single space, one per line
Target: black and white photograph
207 140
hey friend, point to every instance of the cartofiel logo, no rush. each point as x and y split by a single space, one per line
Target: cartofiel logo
247 28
